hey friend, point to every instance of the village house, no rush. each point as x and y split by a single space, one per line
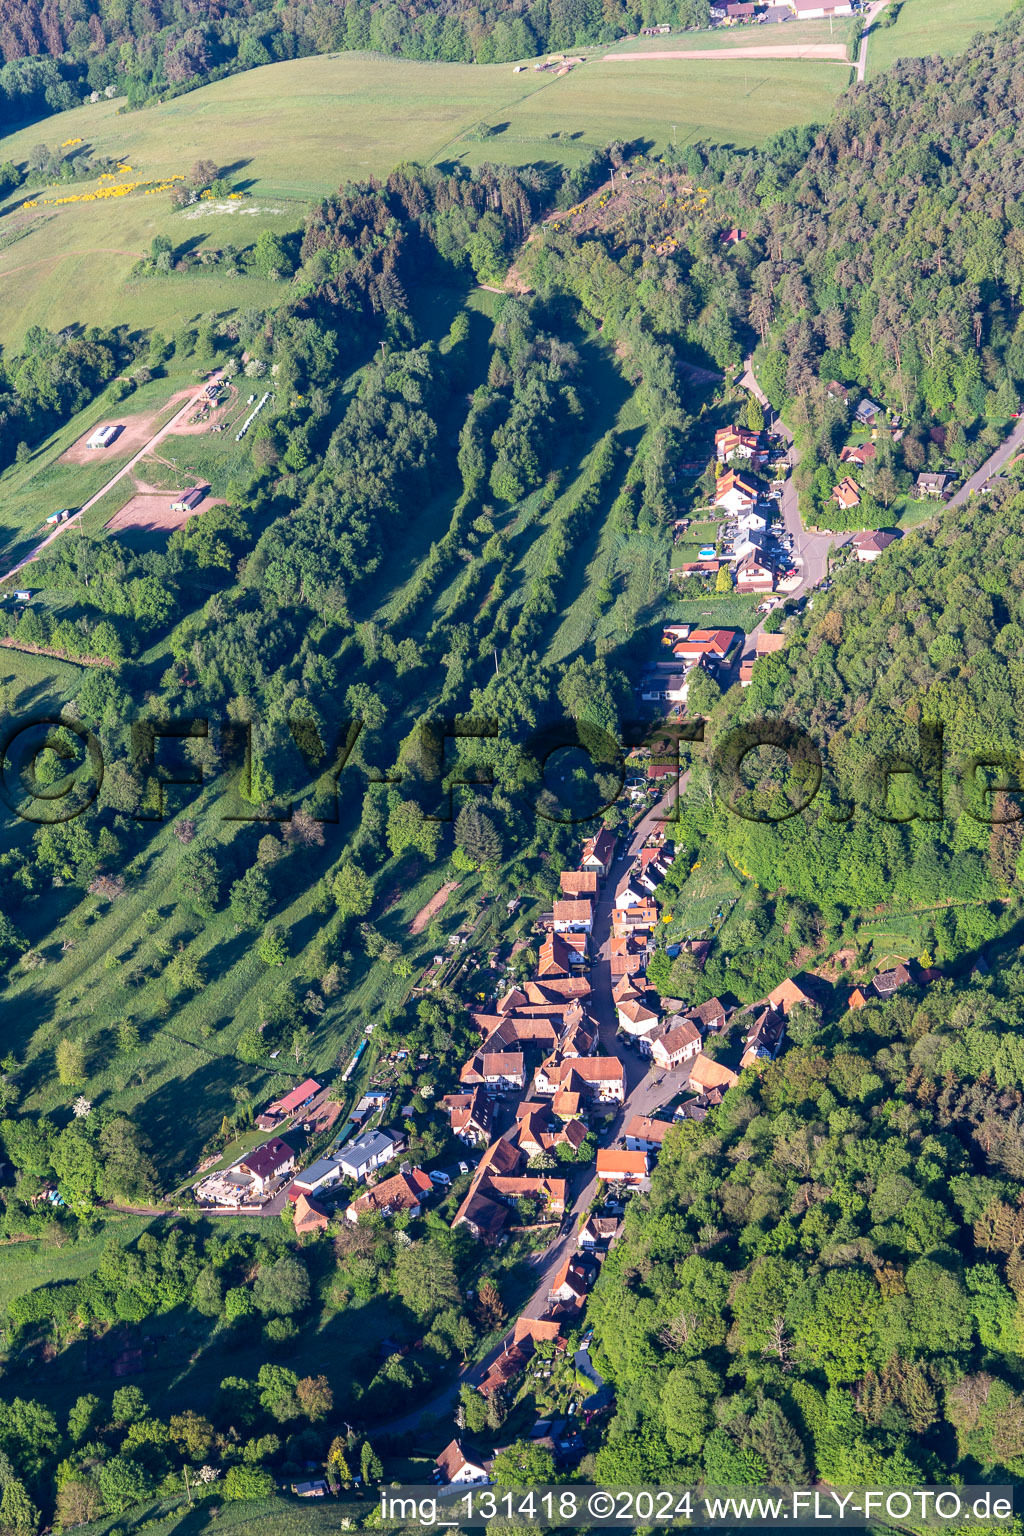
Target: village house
931 485
598 852
739 442
868 546
736 493
859 454
646 1135
310 1216
755 574
707 1074
367 1153
318 1177
750 541
617 1166
887 983
280 1109
576 916
858 999
470 1116
404 1191
503 1070
458 1468
556 957
846 494
838 391
627 957
680 1042
631 894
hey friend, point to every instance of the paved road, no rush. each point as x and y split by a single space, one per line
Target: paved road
869 20
154 441
812 550
646 1092
995 462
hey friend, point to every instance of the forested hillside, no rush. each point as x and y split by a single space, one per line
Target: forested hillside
825 1282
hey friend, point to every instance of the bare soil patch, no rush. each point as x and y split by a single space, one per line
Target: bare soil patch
432 907
136 431
152 511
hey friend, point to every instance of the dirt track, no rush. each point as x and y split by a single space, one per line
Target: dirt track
835 52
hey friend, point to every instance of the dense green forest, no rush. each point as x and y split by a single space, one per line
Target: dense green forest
825 1282
56 54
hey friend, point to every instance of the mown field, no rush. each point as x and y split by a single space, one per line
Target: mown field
294 131
924 27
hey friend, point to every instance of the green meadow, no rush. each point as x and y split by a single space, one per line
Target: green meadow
924 27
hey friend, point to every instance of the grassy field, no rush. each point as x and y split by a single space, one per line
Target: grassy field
24 1265
924 27
294 131
791 34
719 612
729 102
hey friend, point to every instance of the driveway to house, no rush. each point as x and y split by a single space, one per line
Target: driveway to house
995 462
147 448
873 10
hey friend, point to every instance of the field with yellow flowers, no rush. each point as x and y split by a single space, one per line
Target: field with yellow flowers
291 132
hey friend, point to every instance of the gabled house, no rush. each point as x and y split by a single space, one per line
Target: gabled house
503 1069
868 546
578 884
859 454
739 443
310 1216
708 1075
635 1018
789 994
867 412
846 494
714 644
598 1078
736 493
764 1038
755 574
572 916
631 895
367 1153
598 1232
680 1042
266 1163
459 1468
710 1015
569 1283
598 852
617 1166
319 1176
886 983
554 958
470 1116
646 1135
931 485
641 918
402 1192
